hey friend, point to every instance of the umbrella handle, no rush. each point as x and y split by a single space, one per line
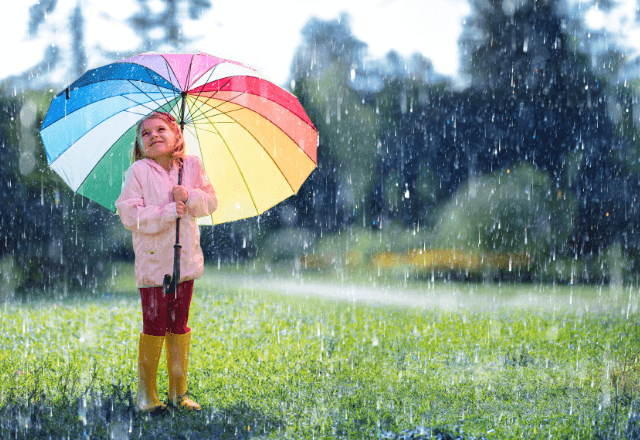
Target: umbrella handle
169 283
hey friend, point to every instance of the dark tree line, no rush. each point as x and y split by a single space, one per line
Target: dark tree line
397 143
533 98
51 239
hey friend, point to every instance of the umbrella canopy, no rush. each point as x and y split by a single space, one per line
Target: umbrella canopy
255 140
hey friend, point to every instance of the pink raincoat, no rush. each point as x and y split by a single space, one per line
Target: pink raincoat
147 209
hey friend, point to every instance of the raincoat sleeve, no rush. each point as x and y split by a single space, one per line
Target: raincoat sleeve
202 200
136 215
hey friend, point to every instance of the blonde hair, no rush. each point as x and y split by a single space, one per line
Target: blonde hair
138 147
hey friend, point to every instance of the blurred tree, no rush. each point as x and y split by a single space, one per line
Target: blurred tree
537 100
165 27
418 138
38 13
79 55
323 67
52 239
618 70
512 210
325 43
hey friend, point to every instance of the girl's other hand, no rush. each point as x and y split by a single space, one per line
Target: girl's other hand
180 193
181 209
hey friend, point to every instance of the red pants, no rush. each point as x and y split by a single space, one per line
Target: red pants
161 315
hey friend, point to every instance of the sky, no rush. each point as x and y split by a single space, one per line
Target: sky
263 35
620 21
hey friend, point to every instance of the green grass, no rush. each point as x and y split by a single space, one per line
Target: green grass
268 365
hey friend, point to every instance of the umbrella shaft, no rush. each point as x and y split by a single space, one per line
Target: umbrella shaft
184 100
176 269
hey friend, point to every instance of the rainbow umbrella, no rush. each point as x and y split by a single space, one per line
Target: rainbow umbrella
255 140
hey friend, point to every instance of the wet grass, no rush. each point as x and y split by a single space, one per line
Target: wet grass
269 365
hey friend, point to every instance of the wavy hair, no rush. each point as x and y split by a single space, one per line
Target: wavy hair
138 148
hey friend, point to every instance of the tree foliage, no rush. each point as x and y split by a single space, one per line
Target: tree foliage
538 153
168 21
346 120
51 238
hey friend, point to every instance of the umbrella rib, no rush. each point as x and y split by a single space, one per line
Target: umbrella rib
265 150
188 79
244 93
236 122
264 97
246 184
77 85
211 97
103 99
143 104
217 106
98 163
159 88
200 91
236 162
156 84
170 69
186 87
205 117
214 131
276 125
224 101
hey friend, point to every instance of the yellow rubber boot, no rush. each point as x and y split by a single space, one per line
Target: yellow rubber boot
178 364
149 352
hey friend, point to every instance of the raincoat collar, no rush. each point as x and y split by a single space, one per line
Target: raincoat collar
159 167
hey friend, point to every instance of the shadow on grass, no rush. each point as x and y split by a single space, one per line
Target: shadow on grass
111 414
620 420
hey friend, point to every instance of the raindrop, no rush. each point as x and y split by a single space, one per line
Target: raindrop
28 113
26 163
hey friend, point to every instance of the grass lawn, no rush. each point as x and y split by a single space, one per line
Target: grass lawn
264 364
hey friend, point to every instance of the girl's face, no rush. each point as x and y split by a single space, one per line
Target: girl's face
158 139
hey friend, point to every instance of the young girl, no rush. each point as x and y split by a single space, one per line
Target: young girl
150 202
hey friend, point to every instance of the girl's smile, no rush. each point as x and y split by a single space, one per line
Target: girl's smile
159 141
